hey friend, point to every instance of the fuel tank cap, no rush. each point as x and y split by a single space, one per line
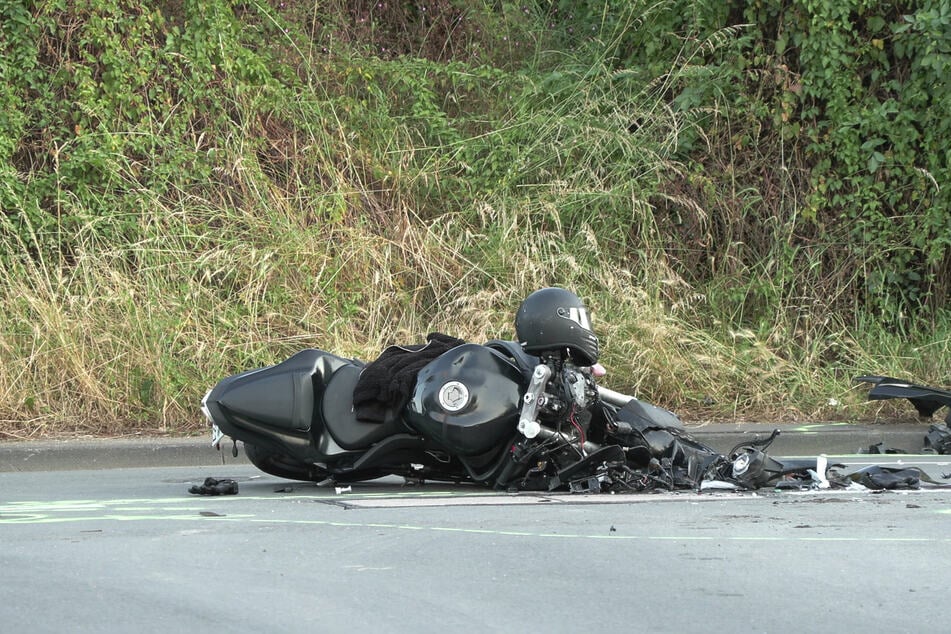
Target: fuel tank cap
453 396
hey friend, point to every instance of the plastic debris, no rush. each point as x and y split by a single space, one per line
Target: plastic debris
881 448
820 481
718 485
878 477
938 439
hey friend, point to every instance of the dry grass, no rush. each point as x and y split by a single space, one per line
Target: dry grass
127 341
333 217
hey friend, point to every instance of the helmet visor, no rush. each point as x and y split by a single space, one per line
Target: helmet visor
579 315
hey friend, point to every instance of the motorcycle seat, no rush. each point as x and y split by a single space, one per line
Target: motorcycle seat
340 419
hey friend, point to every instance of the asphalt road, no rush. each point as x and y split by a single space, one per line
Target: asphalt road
97 453
122 550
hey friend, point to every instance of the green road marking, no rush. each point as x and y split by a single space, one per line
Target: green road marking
46 519
185 510
812 429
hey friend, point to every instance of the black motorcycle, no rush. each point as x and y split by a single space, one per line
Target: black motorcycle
516 415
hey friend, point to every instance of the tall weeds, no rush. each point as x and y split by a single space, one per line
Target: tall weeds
317 192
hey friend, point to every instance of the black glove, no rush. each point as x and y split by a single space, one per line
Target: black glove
212 486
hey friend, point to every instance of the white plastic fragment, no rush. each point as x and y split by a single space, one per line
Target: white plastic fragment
819 475
346 489
717 485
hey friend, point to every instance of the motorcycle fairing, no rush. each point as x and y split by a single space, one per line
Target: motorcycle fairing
514 352
276 406
281 395
657 430
927 400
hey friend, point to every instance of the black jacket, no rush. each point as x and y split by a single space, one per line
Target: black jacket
386 384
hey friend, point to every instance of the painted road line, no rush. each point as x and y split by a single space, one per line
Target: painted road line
500 533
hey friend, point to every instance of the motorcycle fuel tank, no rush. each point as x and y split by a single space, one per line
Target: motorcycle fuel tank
468 400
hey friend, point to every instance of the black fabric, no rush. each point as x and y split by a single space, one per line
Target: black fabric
387 383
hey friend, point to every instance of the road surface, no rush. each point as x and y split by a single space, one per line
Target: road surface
124 550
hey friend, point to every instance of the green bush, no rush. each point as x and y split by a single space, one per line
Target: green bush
747 193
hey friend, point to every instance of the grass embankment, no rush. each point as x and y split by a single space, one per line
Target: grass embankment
216 205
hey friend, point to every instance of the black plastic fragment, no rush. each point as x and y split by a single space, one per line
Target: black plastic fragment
882 448
927 400
938 439
878 477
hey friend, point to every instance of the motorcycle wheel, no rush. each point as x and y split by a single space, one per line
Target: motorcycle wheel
282 466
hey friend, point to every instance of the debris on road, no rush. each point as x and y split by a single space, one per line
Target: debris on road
213 486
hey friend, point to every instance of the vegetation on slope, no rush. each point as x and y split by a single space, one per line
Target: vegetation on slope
747 194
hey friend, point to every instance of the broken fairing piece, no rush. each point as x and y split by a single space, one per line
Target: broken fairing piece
938 439
927 400
718 485
878 477
881 448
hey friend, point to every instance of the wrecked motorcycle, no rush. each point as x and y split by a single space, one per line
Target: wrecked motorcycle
515 415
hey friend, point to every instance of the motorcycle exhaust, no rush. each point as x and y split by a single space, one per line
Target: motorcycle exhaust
546 433
614 398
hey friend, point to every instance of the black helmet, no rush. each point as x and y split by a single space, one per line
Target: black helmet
555 319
